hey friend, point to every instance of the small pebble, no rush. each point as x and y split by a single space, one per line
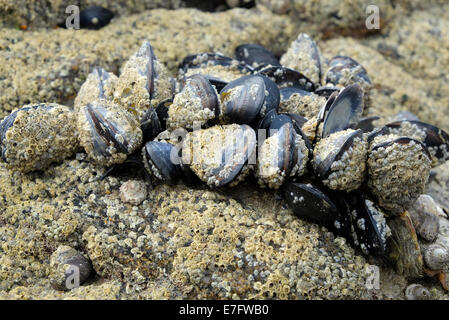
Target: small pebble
133 192
69 268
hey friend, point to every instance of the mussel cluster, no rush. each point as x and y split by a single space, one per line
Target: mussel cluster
296 124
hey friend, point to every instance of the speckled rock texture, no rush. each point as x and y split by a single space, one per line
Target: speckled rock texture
33 68
51 13
194 242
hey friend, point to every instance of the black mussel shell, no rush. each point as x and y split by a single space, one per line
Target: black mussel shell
158 154
286 77
154 120
366 124
345 111
245 107
435 138
4 126
287 92
265 122
205 91
288 154
339 63
341 226
219 84
105 131
369 225
298 121
325 109
323 169
246 145
255 54
326 91
146 51
95 17
278 122
309 202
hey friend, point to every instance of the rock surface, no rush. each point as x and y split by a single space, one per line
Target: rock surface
183 242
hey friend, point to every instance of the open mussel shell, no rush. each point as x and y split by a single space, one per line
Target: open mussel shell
95 17
160 161
369 229
398 170
220 155
404 248
255 54
144 82
309 202
304 55
108 132
218 83
435 139
32 137
286 77
339 160
327 90
344 112
248 98
154 121
99 84
366 124
196 104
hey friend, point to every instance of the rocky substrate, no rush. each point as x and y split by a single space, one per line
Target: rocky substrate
182 242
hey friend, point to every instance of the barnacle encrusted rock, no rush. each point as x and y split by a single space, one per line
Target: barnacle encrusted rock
55 70
398 171
33 137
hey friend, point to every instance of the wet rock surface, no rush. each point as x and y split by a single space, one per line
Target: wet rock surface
183 242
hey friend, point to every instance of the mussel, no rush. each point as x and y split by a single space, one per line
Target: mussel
108 132
31 138
197 103
255 55
143 83
248 98
220 155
